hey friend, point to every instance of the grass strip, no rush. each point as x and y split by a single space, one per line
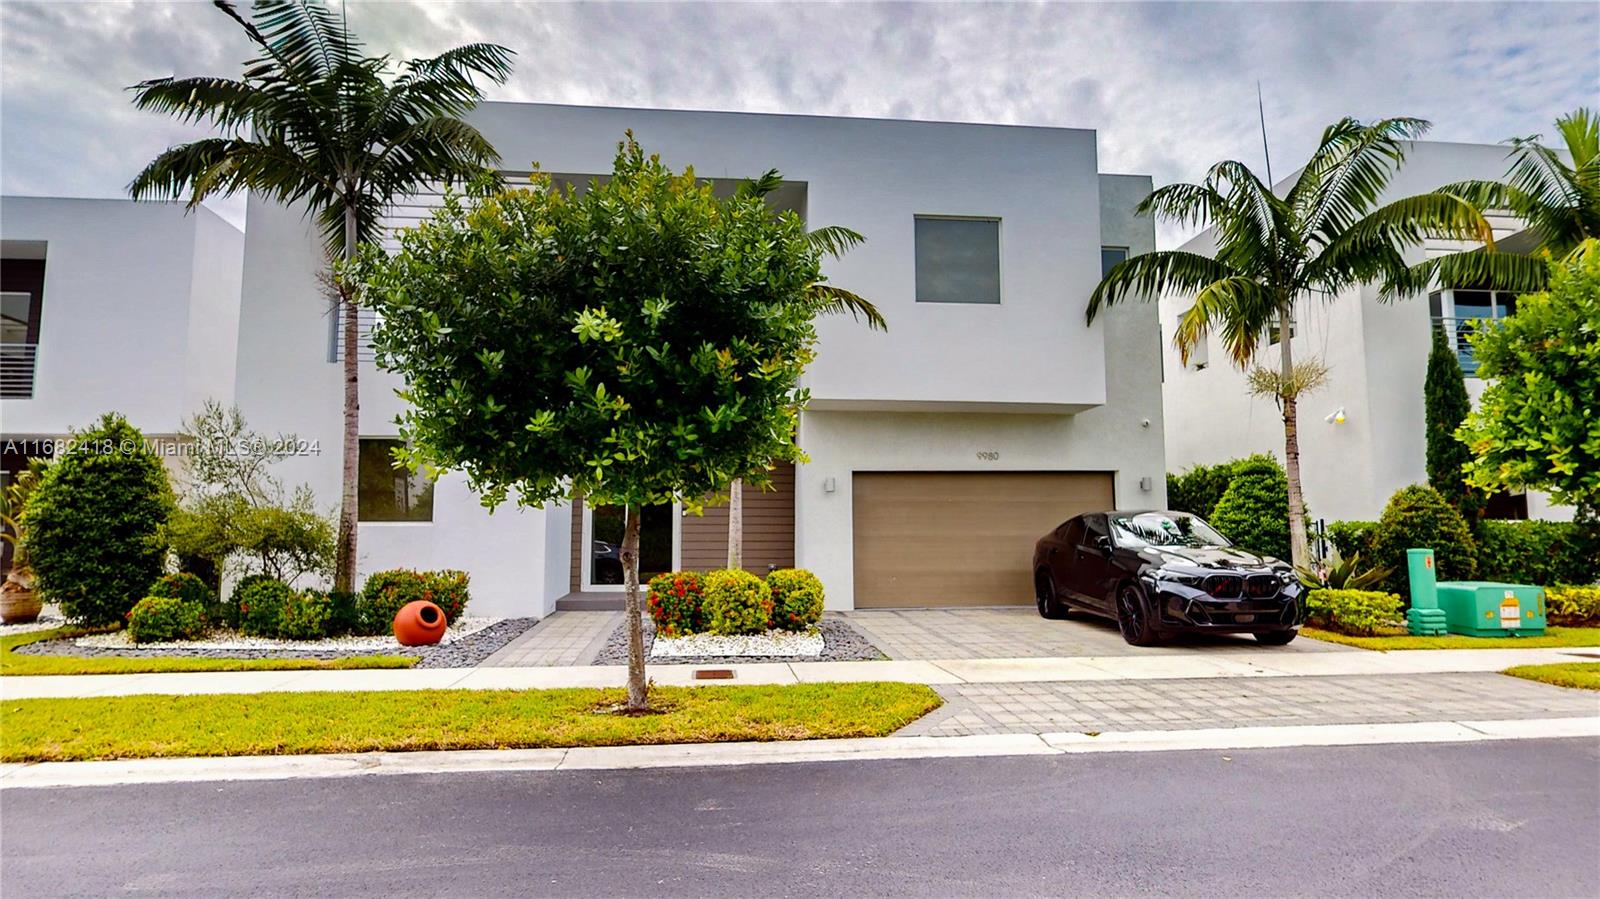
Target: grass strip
150 726
17 664
1553 637
1580 675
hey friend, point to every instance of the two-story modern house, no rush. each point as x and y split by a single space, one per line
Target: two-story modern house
939 451
111 305
1362 436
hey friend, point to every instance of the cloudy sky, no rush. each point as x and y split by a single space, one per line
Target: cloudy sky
1170 88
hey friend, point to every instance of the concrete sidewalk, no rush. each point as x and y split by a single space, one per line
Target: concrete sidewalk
1266 663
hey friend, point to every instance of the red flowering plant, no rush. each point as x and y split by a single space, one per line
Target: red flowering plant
674 603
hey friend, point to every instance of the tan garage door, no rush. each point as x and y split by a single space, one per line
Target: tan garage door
959 538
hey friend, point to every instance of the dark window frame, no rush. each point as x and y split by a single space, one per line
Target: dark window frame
999 266
25 276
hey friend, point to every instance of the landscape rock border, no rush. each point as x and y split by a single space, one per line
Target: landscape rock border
841 643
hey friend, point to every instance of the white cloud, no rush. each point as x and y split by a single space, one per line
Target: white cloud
1171 88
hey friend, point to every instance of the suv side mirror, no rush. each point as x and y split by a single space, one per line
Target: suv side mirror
1103 543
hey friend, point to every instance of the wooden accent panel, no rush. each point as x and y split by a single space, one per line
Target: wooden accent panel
576 564
768 529
960 538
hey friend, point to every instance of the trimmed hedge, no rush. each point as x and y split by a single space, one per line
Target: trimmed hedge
191 588
1541 553
1198 489
260 602
796 598
162 619
305 616
1418 516
1359 613
1352 537
1254 511
96 521
736 602
674 602
1572 606
385 593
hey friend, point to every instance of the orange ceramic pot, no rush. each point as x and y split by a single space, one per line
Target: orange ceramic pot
419 623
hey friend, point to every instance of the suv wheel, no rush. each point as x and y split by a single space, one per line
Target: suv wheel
1134 618
1276 638
1045 597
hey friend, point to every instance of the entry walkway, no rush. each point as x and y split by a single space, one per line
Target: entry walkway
1206 665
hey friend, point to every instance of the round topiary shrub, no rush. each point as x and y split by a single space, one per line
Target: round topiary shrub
190 588
386 592
95 523
162 619
675 603
796 598
305 616
736 602
1254 511
1420 517
261 601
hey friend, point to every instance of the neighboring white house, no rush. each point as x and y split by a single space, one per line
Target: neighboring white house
1361 436
939 451
111 305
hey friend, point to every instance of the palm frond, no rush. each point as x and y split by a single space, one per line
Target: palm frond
1152 274
308 33
1371 249
1184 204
769 181
1475 269
834 240
1237 308
1352 177
830 300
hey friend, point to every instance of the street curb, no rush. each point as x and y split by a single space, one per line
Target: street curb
16 776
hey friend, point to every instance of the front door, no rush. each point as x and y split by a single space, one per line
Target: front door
602 544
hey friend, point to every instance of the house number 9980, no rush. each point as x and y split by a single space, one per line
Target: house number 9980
989 455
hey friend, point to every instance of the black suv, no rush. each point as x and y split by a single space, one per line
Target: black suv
1161 573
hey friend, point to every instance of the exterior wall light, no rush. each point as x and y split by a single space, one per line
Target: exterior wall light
1336 417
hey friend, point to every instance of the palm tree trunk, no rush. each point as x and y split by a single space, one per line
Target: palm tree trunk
638 695
736 524
344 573
1299 546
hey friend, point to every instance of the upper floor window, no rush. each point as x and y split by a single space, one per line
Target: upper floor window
1110 257
1274 333
387 492
958 260
21 295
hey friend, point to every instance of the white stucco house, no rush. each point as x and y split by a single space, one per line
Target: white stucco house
939 451
1361 436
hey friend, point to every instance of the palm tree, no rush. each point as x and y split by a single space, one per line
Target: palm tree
312 121
826 299
1324 235
1558 200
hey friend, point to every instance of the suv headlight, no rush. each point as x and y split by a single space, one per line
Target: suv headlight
1177 577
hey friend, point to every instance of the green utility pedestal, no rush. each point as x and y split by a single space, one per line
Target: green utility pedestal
1424 618
1487 609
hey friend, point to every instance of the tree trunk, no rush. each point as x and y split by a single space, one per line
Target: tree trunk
1299 547
638 695
344 573
736 524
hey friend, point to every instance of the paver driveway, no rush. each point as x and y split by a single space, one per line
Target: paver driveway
1017 632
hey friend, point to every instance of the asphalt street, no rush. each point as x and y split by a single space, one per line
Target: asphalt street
1515 818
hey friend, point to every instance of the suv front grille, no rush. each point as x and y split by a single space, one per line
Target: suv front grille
1260 586
1222 586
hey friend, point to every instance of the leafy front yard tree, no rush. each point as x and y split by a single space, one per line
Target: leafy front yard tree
825 299
1537 425
1324 235
636 343
1445 404
313 122
1557 196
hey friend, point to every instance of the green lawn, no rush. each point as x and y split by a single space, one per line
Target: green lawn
295 723
1553 637
14 663
1582 675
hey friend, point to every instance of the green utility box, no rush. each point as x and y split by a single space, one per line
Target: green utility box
1487 609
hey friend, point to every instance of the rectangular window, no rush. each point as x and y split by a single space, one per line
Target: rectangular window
386 492
1273 333
958 260
1110 257
21 295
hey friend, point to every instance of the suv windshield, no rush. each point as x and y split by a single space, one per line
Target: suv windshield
1163 529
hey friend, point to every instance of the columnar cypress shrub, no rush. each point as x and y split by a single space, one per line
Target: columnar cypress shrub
1254 511
97 521
1446 405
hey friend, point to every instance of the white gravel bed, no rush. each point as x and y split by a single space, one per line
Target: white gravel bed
231 640
771 643
44 622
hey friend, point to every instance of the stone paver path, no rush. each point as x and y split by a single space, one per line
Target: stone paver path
1241 702
1016 632
564 638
